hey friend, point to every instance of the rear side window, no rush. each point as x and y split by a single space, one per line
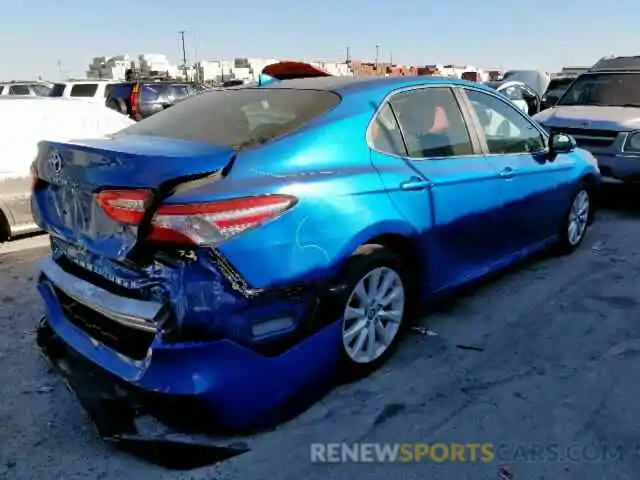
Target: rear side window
242 117
57 90
19 90
384 133
84 90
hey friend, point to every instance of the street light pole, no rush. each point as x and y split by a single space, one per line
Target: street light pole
184 53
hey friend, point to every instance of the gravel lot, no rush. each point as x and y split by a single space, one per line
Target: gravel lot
557 362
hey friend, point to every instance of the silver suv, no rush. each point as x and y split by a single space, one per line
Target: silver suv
24 89
601 110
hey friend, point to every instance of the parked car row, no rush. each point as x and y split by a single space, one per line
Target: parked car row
24 122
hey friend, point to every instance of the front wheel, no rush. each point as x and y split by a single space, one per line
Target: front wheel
378 291
576 221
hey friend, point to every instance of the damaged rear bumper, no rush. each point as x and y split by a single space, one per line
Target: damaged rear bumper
119 414
216 385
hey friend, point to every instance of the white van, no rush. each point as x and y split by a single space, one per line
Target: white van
23 123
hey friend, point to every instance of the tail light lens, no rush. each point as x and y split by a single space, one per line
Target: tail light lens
125 206
135 107
212 223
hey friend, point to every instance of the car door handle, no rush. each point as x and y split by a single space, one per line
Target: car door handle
415 183
507 172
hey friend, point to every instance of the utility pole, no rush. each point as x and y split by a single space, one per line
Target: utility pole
184 53
377 59
348 59
195 61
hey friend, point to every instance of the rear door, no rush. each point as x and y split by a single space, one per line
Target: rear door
443 184
534 192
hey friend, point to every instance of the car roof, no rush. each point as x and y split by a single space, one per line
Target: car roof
70 82
346 84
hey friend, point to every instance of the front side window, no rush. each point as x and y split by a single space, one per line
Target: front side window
237 117
604 89
84 90
432 123
384 134
506 130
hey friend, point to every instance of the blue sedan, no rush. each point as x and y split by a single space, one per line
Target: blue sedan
234 252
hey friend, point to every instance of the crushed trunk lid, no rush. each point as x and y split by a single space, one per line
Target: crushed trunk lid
69 176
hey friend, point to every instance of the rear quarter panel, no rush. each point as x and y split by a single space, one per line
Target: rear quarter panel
342 202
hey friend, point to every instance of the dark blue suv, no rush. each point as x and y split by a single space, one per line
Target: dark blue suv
143 99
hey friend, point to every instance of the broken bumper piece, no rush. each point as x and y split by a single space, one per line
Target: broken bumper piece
122 416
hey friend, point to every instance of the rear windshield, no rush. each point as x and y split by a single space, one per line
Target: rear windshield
57 90
242 117
604 89
150 93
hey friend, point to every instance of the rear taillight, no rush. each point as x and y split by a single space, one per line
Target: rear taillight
133 100
212 223
125 206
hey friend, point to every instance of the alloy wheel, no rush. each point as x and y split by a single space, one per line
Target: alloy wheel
578 217
373 315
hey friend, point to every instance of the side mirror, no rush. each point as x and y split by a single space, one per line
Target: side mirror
561 143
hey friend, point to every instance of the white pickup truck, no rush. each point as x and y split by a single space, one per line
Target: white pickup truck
23 123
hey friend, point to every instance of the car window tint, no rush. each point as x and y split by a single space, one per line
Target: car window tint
150 93
41 90
84 90
19 90
237 117
505 128
384 133
57 90
1 89
432 123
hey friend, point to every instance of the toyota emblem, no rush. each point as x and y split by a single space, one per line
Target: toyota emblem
55 161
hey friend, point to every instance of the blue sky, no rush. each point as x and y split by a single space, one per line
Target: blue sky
37 35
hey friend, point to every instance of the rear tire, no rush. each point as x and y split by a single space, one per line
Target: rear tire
576 221
376 305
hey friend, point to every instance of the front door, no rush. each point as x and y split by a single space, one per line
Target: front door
535 191
441 182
